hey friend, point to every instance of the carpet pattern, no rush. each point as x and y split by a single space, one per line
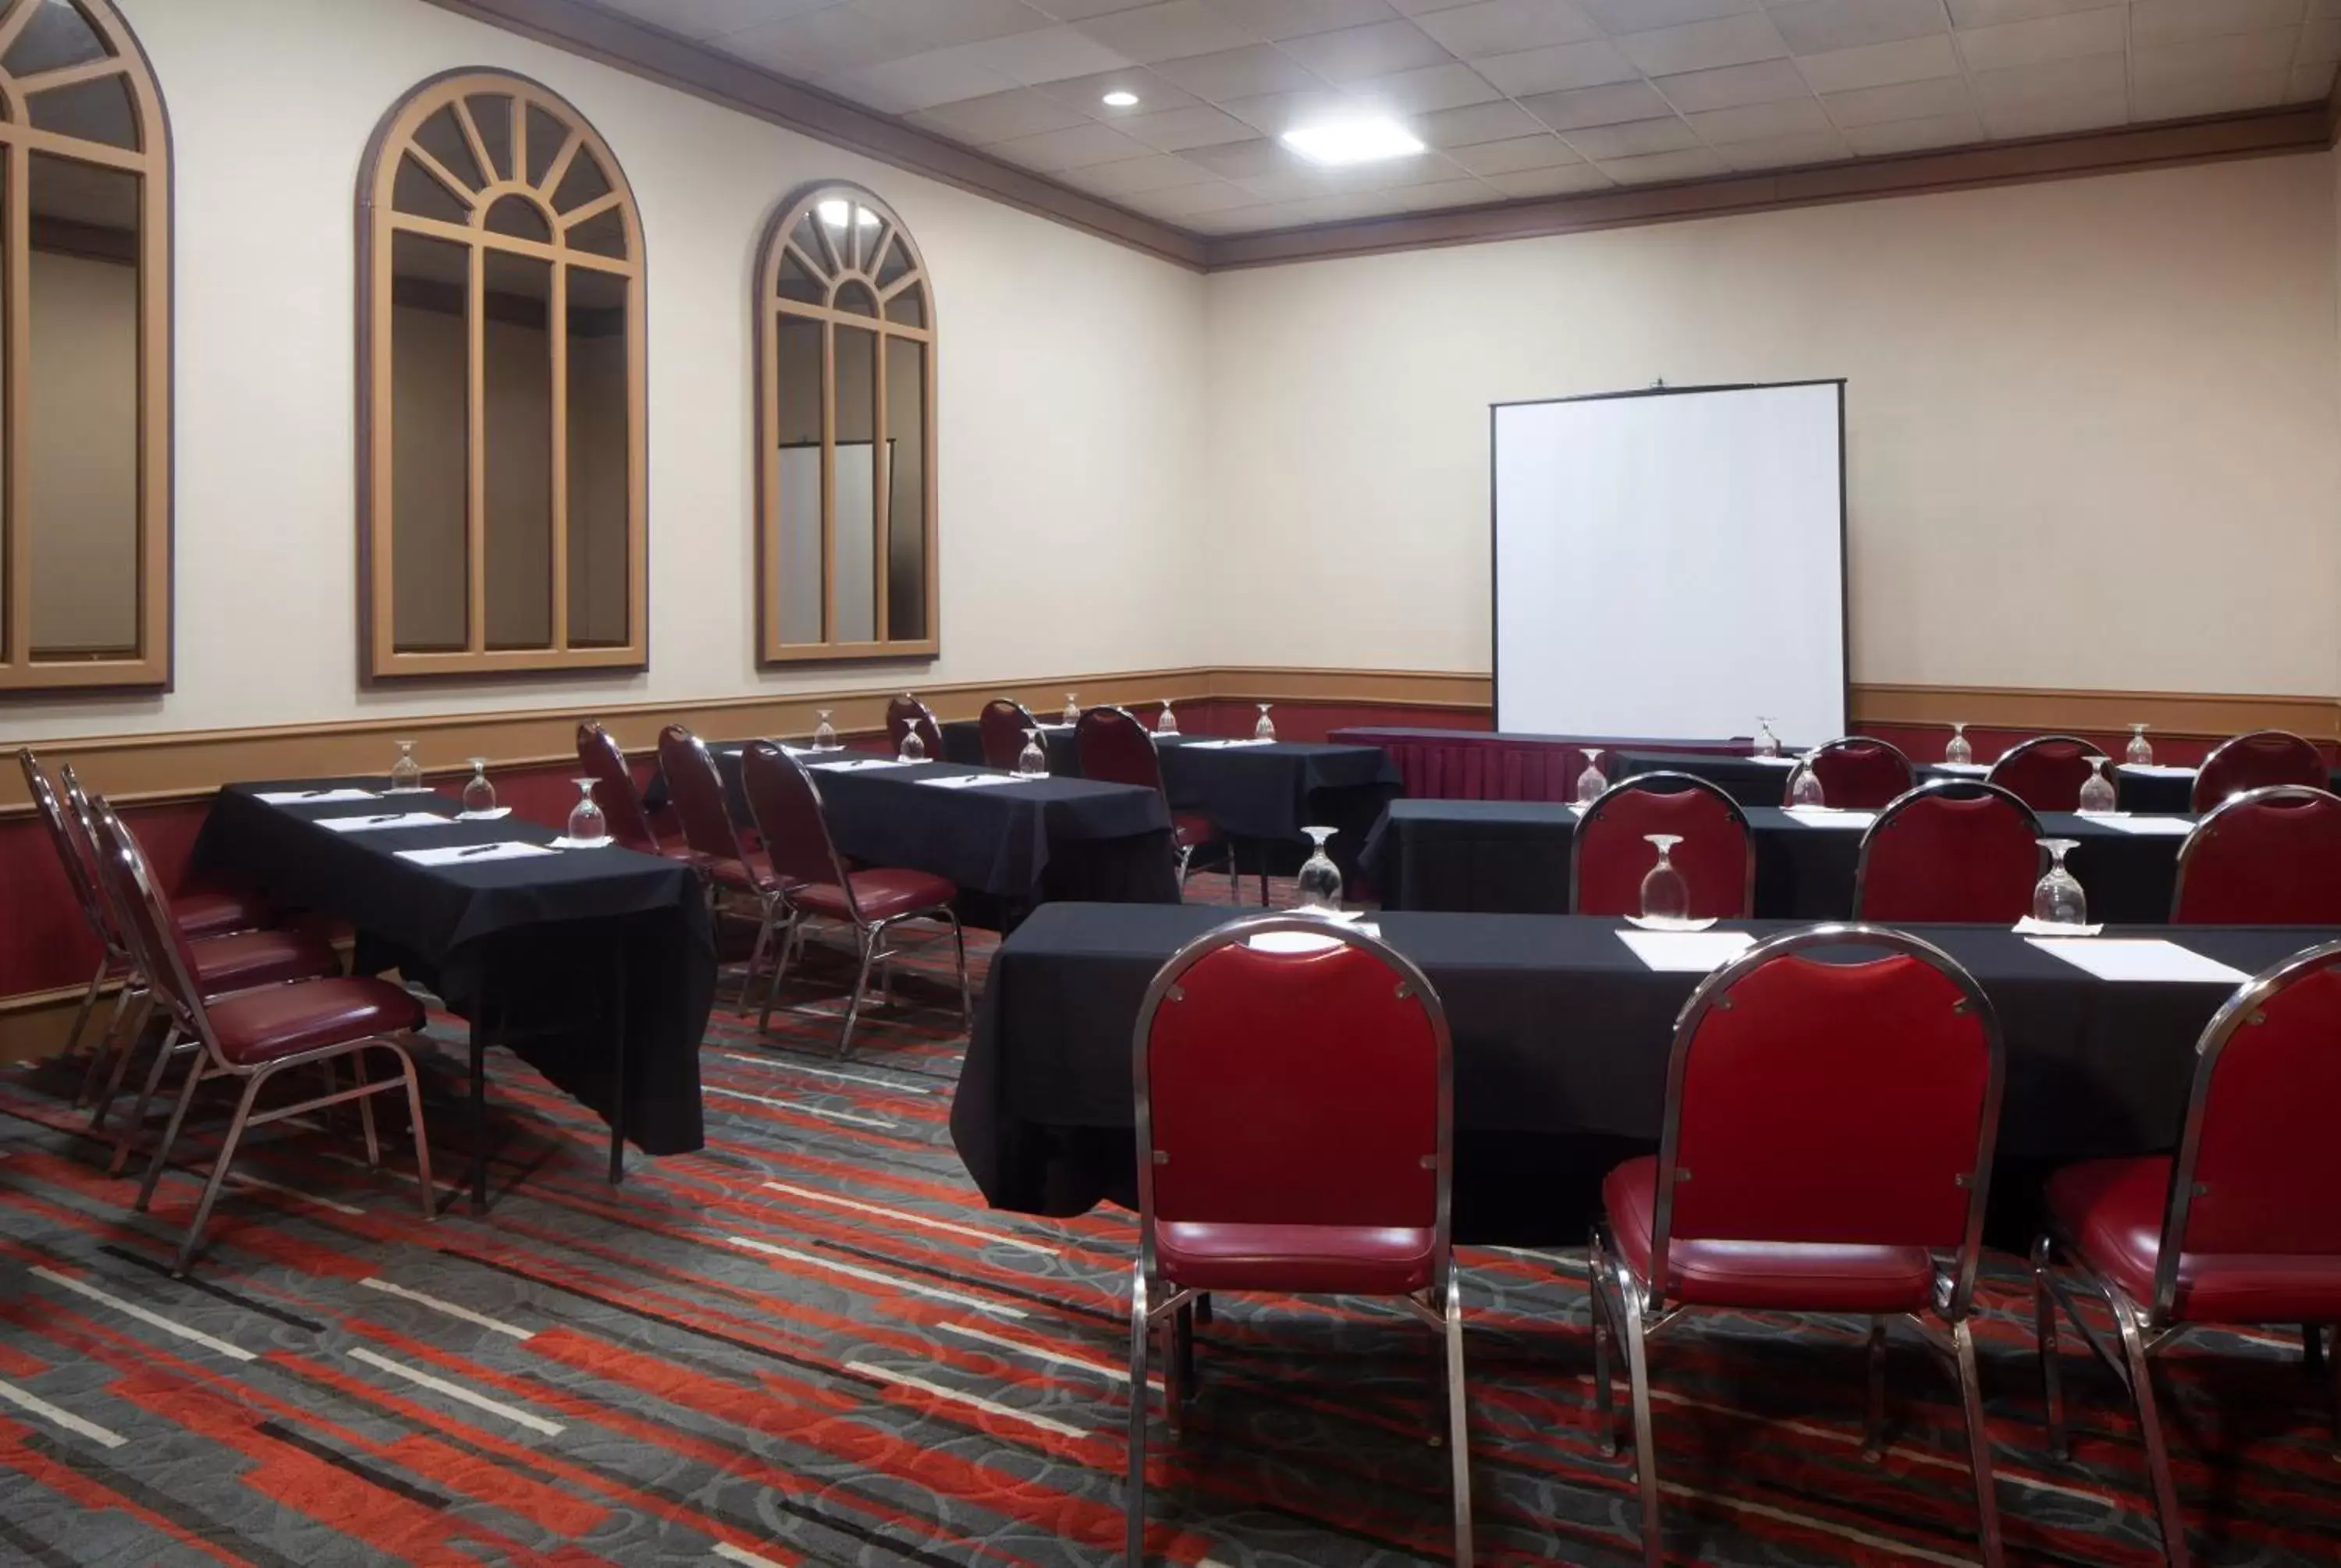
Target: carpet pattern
811 1344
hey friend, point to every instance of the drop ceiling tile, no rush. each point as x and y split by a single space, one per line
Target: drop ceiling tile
817 44
2269 49
1762 122
1890 136
918 82
1424 7
1703 45
1133 176
1045 55
1243 160
1765 81
1337 209
1925 100
1444 193
1557 68
1453 86
1244 73
1354 54
1177 130
1273 113
1598 106
976 121
1607 143
2319 41
1568 180
703 19
2048 83
1306 180
943 23
1173 31
2058 117
1475 123
2152 22
1082 10
1256 218
2065 37
1789 152
1508 27
1991 13
1275 19
1638 16
2309 83
1508 157
1880 65
1658 168
1087 94
1179 201
2184 96
1817 27
1068 149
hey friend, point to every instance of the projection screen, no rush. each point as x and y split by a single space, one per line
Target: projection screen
1670 563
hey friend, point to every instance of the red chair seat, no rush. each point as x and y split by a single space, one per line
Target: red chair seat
1189 830
882 895
248 958
2110 1213
1797 1276
1295 1259
212 911
737 875
255 1027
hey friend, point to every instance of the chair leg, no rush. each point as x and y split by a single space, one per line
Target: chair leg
1133 1497
137 1119
866 941
88 1003
421 1136
771 908
1873 1428
121 1052
2312 1348
2333 1370
1979 1444
104 1049
162 1156
1235 876
1459 1420
959 945
365 1109
1646 1448
2149 1426
1597 1273
220 1163
792 932
1176 1391
2044 1335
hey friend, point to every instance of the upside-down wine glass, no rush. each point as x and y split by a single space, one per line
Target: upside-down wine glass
2139 754
914 748
406 773
1665 895
1168 724
824 734
2056 897
587 825
1958 752
1032 762
2097 794
1319 883
1073 709
1805 789
1592 781
1767 743
1266 729
479 795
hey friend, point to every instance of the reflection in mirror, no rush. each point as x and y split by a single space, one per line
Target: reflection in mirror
417 191
583 182
600 483
906 509
856 298
854 487
521 218
809 239
56 36
796 283
603 234
82 465
547 137
908 307
518 404
430 426
795 566
897 263
94 111
443 139
491 113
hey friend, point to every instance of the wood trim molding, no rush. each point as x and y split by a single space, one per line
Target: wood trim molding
2199 715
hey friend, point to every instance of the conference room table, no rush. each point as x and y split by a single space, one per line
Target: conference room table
597 966
2152 790
963 743
1511 857
1562 1038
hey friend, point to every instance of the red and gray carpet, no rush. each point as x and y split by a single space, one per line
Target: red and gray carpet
811 1344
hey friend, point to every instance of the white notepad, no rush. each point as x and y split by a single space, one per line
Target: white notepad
863 764
492 814
1773 761
1685 952
473 854
1825 818
2140 958
2157 770
315 797
1224 745
392 819
1964 769
971 780
2148 827
2029 927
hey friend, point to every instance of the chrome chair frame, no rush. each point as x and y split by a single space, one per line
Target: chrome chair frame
1845 742
773 915
2033 743
2193 802
115 958
1953 788
2208 826
1440 1307
1186 852
1641 1311
590 733
1689 781
2145 1328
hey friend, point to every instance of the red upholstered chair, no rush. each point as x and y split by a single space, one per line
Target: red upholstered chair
2239 1228
1608 859
1856 772
2255 761
1953 849
1828 1148
252 1035
614 791
2268 856
696 790
1333 1179
906 711
1116 748
786 804
2046 772
1002 724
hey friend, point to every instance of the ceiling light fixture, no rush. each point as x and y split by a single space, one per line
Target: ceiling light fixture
837 215
1119 99
1353 142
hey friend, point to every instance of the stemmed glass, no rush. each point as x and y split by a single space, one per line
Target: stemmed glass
2056 897
1266 729
479 795
1767 743
1666 896
406 773
1319 884
1073 709
1805 789
1958 752
914 748
1592 781
1169 723
2097 789
824 734
1032 762
587 825
2139 754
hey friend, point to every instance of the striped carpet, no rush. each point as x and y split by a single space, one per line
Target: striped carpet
811 1344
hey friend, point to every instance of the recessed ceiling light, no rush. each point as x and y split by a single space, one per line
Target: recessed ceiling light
837 215
1120 100
1353 142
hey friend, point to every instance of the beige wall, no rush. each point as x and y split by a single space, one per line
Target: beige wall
2091 423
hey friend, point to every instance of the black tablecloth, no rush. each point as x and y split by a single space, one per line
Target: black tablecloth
1561 1038
1750 781
1511 857
524 944
963 743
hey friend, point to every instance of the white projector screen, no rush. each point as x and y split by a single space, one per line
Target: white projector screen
1671 564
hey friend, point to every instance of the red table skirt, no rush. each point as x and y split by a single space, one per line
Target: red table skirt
1468 765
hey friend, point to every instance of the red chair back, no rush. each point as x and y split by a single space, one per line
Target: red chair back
614 790
1856 772
2267 856
1825 1102
696 790
1116 748
2046 772
1950 850
2257 1162
1002 724
1308 1081
2255 761
786 805
76 856
1716 857
907 710
158 947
